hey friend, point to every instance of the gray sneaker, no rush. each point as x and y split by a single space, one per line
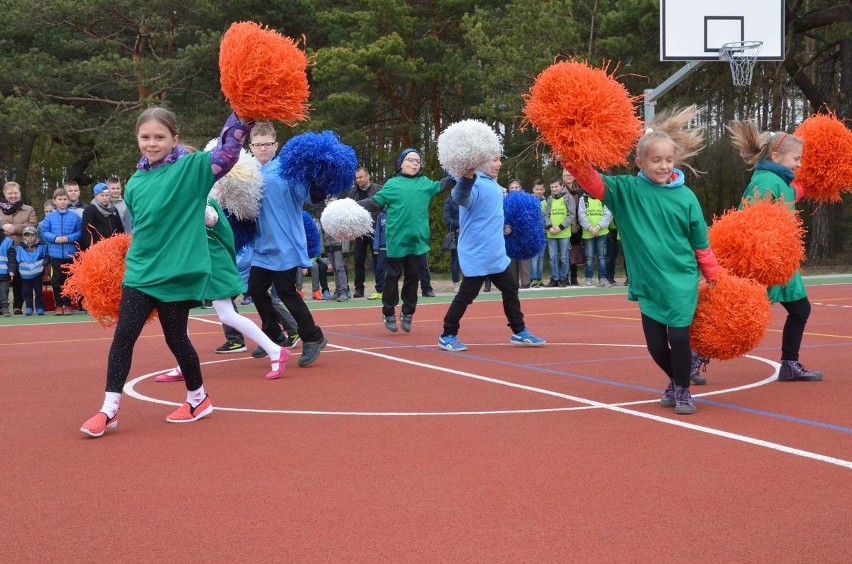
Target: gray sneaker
668 399
793 371
405 322
390 323
683 401
698 363
311 351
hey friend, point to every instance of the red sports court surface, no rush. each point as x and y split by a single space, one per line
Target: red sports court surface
389 449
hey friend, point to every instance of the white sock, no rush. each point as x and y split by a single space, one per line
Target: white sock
195 397
111 402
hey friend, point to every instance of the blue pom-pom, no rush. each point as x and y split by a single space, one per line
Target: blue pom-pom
522 211
312 234
244 230
320 159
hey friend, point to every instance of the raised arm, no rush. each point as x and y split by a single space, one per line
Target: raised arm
590 180
226 153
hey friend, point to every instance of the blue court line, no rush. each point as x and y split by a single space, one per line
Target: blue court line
716 403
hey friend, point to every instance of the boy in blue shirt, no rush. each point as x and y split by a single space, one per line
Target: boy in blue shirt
61 230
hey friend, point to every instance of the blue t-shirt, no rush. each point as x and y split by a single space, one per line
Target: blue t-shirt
280 242
481 245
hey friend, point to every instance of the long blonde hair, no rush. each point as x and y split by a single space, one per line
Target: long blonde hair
755 145
671 126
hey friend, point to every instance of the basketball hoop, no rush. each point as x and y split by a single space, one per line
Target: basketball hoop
742 55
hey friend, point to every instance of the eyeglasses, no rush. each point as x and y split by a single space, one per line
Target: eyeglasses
412 160
268 145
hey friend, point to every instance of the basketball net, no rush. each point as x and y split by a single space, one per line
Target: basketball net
742 56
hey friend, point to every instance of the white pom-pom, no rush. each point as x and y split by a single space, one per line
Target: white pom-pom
211 216
467 145
241 189
345 220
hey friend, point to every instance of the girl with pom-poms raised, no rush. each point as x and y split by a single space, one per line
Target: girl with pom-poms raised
775 156
168 264
664 236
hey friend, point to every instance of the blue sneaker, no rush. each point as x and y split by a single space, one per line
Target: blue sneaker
28 311
451 343
526 339
40 311
326 295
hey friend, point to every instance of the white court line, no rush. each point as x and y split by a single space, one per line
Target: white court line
588 403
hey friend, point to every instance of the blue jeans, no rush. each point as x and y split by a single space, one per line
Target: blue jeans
536 266
596 246
557 250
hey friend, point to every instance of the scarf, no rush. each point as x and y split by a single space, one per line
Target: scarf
178 152
784 172
106 210
676 181
11 209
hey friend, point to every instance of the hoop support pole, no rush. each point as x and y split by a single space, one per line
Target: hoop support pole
651 95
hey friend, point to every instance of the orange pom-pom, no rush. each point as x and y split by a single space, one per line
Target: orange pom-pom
731 317
826 169
763 241
95 277
586 115
263 74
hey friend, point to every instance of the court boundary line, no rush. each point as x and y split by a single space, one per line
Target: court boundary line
587 403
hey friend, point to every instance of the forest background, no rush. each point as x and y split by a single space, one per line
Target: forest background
389 74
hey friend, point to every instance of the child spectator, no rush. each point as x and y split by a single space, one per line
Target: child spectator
595 218
29 259
61 230
115 195
451 220
558 221
75 204
336 252
575 259
381 251
7 271
537 262
101 219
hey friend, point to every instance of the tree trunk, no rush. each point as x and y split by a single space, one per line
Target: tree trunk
29 193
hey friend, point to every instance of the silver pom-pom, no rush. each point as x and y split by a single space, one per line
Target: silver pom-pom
211 217
240 191
467 145
345 220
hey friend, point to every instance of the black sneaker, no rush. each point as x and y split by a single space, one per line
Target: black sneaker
390 323
291 341
207 304
231 347
258 353
358 294
429 294
698 363
405 322
793 371
311 351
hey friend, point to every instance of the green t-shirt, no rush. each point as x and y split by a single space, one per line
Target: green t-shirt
407 200
168 257
225 281
661 228
765 183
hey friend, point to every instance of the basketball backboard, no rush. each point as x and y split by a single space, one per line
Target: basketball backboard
694 30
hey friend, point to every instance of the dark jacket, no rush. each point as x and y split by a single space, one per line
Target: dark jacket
97 226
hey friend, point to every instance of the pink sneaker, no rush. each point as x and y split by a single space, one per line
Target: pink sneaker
173 375
279 365
98 425
187 414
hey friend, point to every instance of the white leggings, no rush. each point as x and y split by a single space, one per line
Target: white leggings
227 315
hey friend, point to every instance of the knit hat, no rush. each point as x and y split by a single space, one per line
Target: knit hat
100 187
403 154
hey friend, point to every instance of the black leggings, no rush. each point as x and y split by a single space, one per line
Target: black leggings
669 347
794 328
134 309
